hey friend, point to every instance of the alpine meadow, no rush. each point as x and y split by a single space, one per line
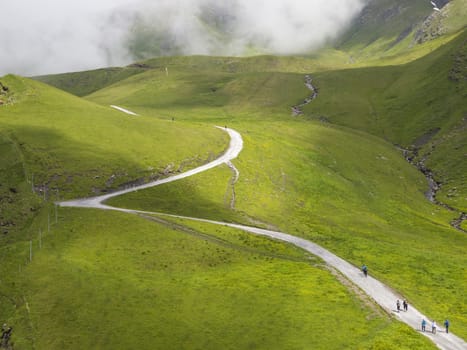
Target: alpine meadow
228 199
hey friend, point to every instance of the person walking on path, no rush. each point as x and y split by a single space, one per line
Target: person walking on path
405 304
398 304
423 325
433 327
365 270
446 324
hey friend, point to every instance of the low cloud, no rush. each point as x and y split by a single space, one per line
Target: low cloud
53 36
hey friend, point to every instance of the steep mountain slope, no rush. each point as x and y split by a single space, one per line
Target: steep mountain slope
386 28
386 22
420 105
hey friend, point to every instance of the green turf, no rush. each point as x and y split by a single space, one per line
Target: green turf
404 104
306 180
346 190
73 147
434 100
110 280
84 83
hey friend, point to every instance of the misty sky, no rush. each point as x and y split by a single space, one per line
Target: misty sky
51 36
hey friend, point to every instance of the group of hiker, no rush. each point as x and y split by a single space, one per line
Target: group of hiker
405 306
434 326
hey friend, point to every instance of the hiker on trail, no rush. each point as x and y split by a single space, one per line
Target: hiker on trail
433 327
365 270
398 304
405 304
446 324
423 325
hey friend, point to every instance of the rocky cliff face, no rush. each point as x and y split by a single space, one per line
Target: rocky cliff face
3 93
399 19
434 25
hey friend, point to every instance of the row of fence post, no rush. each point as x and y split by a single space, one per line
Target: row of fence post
40 233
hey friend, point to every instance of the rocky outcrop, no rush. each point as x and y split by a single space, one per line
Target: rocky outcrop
433 26
6 95
3 91
430 29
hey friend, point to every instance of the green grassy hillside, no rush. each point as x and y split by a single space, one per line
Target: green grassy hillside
420 105
401 30
348 192
333 175
87 82
342 188
384 23
405 103
81 148
84 83
106 280
337 187
110 280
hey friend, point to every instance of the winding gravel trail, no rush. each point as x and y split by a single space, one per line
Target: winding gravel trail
382 294
235 146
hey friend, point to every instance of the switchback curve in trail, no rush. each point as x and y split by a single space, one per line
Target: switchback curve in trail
379 292
235 147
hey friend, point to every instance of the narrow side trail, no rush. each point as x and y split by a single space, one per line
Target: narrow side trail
121 109
378 291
